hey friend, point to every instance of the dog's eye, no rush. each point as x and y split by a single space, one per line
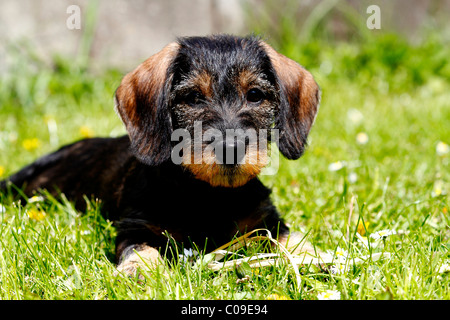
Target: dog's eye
255 95
193 98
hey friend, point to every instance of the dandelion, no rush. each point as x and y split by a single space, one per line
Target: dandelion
36 214
31 144
336 166
442 148
382 234
362 138
86 132
329 295
2 171
361 229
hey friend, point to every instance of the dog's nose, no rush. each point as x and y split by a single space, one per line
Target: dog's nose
232 152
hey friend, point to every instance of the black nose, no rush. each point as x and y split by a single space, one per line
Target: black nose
232 152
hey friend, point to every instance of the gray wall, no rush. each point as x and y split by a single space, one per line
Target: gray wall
126 32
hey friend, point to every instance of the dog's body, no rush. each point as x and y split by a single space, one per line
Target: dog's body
226 83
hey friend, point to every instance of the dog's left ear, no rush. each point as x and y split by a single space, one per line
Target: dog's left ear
300 98
142 103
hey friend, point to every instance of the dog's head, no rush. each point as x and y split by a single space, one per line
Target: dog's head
222 96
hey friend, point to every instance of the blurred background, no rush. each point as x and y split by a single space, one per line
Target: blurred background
120 33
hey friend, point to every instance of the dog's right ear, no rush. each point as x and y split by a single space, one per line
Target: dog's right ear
142 103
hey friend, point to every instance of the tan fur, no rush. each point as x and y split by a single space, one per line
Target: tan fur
298 82
135 258
213 173
146 80
297 244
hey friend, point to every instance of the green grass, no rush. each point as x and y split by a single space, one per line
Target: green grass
395 93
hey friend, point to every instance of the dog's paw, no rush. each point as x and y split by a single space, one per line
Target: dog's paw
297 244
137 259
129 269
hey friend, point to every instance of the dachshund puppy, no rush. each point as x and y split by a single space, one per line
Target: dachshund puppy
203 190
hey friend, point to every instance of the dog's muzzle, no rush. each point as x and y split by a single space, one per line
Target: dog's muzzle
231 152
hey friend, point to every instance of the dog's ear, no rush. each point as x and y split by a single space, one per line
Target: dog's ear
299 102
142 103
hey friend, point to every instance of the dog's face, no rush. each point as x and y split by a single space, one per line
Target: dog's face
227 94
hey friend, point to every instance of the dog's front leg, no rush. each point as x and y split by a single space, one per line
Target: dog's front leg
296 243
138 257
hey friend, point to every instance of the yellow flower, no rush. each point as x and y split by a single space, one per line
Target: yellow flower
361 230
2 171
31 144
36 214
86 132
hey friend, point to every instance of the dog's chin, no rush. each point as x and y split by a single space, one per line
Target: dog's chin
218 175
230 176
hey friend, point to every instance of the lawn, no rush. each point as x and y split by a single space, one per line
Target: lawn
378 160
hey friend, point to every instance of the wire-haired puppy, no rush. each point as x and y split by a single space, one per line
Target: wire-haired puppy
199 114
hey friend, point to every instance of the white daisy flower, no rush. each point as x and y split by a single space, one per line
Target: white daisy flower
362 138
352 177
338 268
336 166
363 240
340 254
438 189
35 199
2 209
355 116
444 268
329 295
442 148
382 234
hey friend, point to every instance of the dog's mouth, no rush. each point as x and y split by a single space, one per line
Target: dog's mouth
232 166
227 159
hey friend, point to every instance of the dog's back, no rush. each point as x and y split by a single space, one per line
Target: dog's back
90 167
